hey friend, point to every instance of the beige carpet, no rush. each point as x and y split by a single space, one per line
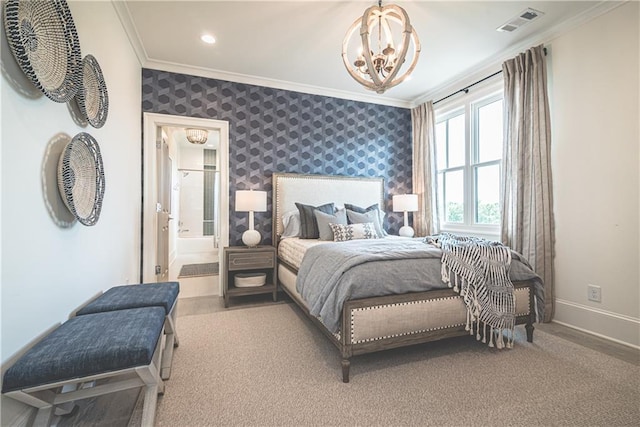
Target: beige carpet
267 366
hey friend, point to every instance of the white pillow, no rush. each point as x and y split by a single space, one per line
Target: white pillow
366 217
342 233
291 224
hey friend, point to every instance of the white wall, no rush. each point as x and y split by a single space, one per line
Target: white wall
594 94
191 192
48 271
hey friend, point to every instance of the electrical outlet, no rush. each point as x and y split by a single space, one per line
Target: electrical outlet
594 293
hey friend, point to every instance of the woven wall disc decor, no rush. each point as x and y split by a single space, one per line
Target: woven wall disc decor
92 98
81 178
44 41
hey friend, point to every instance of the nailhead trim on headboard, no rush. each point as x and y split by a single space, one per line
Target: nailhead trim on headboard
281 179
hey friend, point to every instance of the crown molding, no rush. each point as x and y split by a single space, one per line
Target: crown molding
122 10
494 63
146 62
272 83
470 75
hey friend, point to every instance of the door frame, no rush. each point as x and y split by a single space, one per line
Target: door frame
152 122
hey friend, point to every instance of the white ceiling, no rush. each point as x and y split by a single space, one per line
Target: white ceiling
297 45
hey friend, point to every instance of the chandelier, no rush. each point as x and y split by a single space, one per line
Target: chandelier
197 136
388 30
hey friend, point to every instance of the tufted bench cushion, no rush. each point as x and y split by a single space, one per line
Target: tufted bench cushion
89 345
162 294
134 296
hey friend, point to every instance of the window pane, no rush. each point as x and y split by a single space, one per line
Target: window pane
441 145
490 132
456 141
488 195
454 196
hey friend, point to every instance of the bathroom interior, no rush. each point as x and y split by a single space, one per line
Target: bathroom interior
195 198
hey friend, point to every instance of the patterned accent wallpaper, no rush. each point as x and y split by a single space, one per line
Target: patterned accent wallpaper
274 130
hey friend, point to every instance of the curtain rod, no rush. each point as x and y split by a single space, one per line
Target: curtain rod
466 88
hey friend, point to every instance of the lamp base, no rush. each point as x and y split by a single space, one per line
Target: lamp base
251 238
406 231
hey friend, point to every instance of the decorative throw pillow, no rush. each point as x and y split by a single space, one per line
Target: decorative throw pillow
370 216
359 209
374 207
308 223
342 233
324 219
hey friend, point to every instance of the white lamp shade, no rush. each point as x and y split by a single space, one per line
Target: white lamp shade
405 203
251 201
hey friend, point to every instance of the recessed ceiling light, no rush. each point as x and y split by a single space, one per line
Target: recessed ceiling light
208 38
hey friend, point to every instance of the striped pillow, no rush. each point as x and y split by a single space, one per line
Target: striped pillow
308 222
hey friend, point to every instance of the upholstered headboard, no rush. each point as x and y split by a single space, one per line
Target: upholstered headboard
289 188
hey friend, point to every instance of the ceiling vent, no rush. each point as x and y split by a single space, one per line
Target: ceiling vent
521 19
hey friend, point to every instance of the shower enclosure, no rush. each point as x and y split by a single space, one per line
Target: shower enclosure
198 213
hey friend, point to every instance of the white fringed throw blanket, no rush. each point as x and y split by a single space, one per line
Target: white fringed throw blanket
478 270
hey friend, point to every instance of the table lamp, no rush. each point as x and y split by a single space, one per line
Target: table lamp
405 203
251 201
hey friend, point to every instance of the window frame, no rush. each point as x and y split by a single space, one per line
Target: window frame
469 105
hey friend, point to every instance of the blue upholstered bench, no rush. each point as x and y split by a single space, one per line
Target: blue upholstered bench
163 295
123 346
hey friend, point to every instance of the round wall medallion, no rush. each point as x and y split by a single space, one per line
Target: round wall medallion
44 41
92 98
81 178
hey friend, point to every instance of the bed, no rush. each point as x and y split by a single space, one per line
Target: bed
371 324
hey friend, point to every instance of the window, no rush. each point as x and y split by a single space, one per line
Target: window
469 139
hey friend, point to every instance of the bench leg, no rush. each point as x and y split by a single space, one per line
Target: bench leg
43 401
149 406
43 417
172 320
153 386
167 352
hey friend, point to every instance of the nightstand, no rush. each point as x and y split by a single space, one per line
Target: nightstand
242 260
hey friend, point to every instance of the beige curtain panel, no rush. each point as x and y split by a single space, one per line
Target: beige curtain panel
527 200
425 220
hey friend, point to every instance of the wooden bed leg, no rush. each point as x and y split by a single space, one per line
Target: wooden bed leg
529 327
346 363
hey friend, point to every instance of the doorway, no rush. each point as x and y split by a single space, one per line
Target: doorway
191 215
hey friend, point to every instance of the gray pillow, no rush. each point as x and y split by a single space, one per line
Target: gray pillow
365 217
324 219
308 223
373 207
359 209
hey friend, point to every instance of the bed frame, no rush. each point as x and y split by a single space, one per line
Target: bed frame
380 323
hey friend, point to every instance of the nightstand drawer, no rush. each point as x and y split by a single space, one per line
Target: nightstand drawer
240 261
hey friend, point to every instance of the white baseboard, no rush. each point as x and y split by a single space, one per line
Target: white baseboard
605 324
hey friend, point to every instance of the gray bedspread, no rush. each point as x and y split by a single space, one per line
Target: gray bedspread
332 273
